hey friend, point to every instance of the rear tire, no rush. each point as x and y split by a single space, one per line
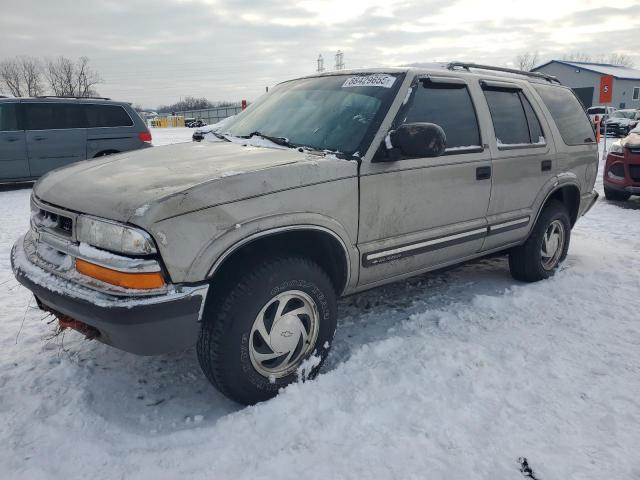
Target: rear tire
615 195
547 246
258 329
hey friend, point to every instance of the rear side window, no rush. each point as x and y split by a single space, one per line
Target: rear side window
448 105
107 116
53 116
514 121
8 117
568 113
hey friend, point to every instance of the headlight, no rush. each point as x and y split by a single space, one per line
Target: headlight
113 236
616 148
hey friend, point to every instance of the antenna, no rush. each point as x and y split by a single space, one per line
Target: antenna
320 64
339 60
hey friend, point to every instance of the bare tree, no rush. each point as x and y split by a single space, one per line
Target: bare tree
613 58
621 59
578 57
86 78
31 70
527 61
11 77
59 73
67 78
22 76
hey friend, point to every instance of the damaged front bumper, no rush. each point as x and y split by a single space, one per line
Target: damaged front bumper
141 324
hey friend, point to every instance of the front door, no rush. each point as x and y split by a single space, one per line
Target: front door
13 150
418 213
56 135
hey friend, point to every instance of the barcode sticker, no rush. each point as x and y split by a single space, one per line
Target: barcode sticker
374 80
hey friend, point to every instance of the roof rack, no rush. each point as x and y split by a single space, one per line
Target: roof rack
72 96
468 66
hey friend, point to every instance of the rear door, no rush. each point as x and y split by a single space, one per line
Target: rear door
523 158
56 135
13 150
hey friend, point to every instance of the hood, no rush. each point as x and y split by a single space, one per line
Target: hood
631 141
122 186
621 121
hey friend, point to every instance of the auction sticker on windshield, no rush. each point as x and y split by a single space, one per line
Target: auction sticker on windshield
375 80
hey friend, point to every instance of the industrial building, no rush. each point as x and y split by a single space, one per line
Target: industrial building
586 79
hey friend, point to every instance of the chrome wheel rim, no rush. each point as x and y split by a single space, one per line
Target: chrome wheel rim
283 333
552 244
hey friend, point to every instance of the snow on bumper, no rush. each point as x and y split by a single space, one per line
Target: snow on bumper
146 325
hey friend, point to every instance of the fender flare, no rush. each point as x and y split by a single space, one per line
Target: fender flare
257 232
558 182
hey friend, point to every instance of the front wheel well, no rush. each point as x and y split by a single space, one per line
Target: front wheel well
319 246
569 196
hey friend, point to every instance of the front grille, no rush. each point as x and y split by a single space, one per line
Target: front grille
65 223
55 222
634 172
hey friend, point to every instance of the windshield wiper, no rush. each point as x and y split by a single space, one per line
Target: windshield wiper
219 135
277 140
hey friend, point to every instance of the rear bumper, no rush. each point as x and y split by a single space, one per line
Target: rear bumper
143 325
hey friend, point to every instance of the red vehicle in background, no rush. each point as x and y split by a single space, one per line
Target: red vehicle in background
622 169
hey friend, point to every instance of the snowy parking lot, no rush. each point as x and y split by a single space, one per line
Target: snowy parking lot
451 375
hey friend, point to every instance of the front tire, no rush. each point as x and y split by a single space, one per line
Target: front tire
257 332
615 195
547 246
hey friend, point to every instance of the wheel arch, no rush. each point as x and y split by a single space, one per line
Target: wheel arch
104 153
319 243
568 194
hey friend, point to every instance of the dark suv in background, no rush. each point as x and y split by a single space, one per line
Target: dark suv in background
40 134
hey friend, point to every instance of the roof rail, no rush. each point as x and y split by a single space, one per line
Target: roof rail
72 96
468 66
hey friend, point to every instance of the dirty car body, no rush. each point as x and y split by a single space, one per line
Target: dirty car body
312 163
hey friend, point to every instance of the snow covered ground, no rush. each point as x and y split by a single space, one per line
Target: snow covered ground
167 136
452 375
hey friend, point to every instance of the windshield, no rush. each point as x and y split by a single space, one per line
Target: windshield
595 110
340 113
623 114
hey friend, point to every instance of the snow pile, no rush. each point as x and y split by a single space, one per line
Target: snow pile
454 375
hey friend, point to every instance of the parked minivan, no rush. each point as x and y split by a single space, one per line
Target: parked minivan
43 133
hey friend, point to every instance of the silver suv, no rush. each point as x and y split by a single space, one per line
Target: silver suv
44 133
326 186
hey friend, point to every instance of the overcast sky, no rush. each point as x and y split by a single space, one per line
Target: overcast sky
153 52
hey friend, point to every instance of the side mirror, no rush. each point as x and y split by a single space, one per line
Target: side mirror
417 139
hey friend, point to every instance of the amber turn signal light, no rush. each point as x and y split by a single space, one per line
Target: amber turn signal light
142 281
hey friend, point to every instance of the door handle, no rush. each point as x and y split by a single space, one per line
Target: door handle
545 166
39 139
12 139
483 173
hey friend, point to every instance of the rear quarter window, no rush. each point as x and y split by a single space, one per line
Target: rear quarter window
99 116
568 114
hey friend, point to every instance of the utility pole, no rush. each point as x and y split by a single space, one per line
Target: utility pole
339 60
320 64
